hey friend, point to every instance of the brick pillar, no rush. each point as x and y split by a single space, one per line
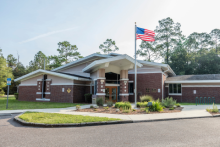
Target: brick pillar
39 88
101 88
124 96
48 87
101 84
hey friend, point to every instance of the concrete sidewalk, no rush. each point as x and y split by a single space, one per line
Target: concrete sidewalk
189 111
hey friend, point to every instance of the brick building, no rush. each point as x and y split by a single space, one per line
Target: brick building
112 78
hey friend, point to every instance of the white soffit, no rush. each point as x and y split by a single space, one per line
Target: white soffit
99 62
41 71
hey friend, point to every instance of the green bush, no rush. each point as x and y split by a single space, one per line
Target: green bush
215 108
88 98
99 101
146 98
123 105
169 102
91 107
172 108
147 110
78 107
156 106
109 103
177 105
142 104
16 95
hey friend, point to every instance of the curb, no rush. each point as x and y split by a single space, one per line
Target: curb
16 118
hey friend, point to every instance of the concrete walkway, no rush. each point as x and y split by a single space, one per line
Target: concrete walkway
189 111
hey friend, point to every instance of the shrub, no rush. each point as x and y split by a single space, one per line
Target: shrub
120 108
208 110
126 110
78 107
146 98
147 110
215 108
91 107
178 105
133 109
124 105
16 95
156 106
106 108
95 109
172 108
88 98
109 103
142 109
169 102
99 101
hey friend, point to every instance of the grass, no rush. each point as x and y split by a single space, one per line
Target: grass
14 104
56 118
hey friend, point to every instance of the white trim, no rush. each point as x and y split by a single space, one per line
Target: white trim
82 84
178 94
194 81
81 60
167 86
108 84
62 84
39 79
41 71
100 93
40 99
200 85
131 93
124 79
27 84
102 61
102 78
38 92
144 72
48 79
124 94
46 92
130 81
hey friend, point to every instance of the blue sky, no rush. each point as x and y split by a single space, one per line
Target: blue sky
29 26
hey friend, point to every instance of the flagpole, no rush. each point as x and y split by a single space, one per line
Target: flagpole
135 79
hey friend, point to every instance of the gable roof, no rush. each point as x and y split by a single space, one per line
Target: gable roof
58 74
82 60
98 62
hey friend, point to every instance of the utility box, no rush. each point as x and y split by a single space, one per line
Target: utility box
93 99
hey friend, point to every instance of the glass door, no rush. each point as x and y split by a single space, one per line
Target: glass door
111 94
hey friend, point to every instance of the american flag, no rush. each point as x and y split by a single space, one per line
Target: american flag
145 34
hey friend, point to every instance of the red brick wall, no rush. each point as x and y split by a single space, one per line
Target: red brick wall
27 93
188 96
56 94
147 80
78 93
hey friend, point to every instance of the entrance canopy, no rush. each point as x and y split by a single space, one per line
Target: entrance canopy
114 64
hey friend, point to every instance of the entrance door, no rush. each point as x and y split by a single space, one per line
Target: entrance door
111 93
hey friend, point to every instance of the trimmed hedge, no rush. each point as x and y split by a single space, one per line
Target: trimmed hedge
16 95
123 105
88 98
142 104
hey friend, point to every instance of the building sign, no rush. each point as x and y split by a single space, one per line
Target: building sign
194 91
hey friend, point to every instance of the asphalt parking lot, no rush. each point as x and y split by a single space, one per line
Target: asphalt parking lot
185 132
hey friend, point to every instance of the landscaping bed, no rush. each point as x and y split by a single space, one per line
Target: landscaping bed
56 118
112 110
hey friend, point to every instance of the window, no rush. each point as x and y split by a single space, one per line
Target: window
131 87
175 88
147 90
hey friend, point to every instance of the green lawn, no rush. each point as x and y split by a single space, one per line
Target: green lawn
14 104
56 118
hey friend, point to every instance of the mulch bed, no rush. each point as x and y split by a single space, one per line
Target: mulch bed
112 110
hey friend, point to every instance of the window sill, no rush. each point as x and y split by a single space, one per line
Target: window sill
179 94
131 93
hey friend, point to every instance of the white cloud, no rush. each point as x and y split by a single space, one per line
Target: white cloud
46 34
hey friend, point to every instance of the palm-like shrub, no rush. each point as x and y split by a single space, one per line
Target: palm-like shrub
156 106
123 105
146 98
169 102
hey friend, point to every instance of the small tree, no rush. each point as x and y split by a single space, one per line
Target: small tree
108 46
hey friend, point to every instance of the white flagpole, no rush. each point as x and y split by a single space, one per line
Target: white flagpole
135 91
